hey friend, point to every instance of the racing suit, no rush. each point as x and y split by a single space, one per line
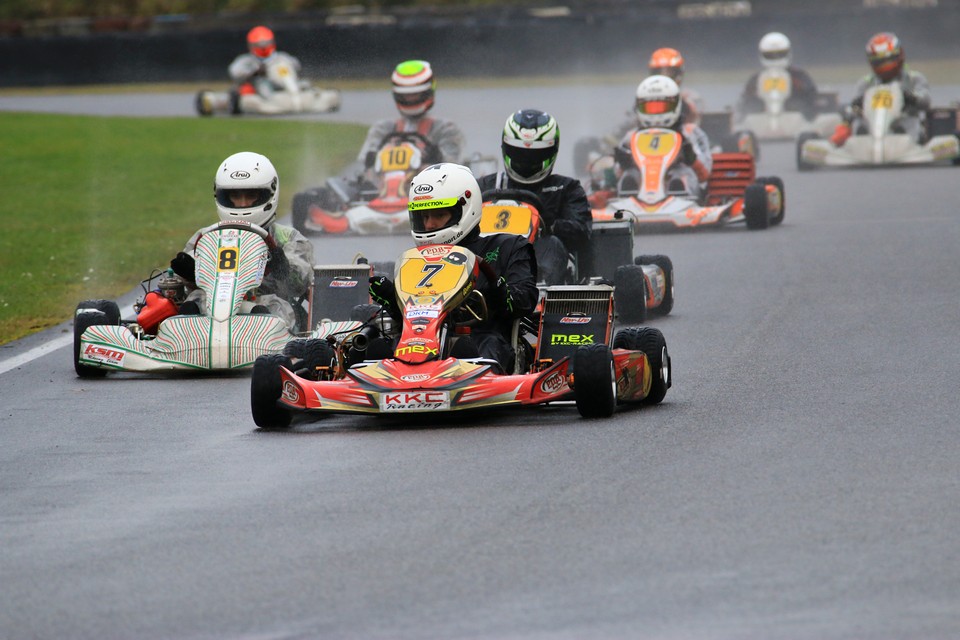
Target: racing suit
803 95
249 72
443 134
916 101
288 277
566 222
515 263
692 168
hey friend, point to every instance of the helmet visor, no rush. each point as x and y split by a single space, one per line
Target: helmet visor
779 54
412 99
671 72
657 106
243 198
433 215
528 162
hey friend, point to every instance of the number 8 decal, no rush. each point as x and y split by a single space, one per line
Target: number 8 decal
227 259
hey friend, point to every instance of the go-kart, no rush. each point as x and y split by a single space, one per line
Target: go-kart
644 283
878 142
228 334
376 202
643 194
572 354
776 122
263 98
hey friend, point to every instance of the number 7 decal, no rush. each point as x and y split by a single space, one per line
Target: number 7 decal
430 270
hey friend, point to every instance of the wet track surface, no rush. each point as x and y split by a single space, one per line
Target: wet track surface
799 480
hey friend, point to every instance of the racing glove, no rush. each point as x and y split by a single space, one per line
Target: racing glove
279 264
910 100
383 292
504 296
566 229
184 266
687 153
840 134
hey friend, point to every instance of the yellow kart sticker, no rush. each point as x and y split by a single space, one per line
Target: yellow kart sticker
396 157
778 83
515 219
882 100
419 277
655 143
227 259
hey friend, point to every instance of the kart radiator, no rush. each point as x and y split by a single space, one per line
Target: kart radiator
573 316
337 289
732 173
611 245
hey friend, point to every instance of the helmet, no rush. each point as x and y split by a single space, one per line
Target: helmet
250 172
260 42
531 140
658 102
413 87
885 55
667 62
444 187
775 50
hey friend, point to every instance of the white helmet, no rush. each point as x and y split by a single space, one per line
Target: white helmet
775 50
254 175
658 102
440 188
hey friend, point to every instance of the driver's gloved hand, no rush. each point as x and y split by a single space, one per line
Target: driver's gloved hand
184 266
566 229
504 296
370 159
687 153
383 292
910 100
279 264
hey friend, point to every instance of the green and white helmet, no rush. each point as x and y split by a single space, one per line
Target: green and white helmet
531 140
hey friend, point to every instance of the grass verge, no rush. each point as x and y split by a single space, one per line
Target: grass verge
93 203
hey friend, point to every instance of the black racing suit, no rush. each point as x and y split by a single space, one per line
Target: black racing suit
514 260
566 218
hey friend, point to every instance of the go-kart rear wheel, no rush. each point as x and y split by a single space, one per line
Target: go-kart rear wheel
307 354
81 322
653 345
202 103
630 297
594 382
265 391
299 208
778 183
666 265
803 165
755 206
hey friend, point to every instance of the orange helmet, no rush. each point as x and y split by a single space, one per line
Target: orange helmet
260 42
885 55
667 62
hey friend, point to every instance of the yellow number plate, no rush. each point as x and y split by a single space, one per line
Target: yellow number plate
515 219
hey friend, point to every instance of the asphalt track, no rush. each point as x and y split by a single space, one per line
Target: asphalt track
800 480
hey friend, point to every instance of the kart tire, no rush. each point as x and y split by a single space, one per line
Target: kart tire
235 109
630 296
666 265
82 322
364 312
743 141
108 307
202 105
803 165
265 390
653 345
755 207
778 183
595 385
307 354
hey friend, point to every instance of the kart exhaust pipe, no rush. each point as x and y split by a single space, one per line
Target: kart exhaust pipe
361 339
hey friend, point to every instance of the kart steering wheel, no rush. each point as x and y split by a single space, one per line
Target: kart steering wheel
431 152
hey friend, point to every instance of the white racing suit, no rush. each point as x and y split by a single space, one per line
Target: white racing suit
916 96
692 177
249 69
443 134
279 291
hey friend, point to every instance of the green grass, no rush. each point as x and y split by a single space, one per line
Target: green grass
93 204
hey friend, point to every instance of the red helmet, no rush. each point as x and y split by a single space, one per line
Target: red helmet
260 42
885 55
667 62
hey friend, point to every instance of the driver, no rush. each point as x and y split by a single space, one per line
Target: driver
530 143
885 55
775 54
413 92
449 213
658 104
247 188
249 70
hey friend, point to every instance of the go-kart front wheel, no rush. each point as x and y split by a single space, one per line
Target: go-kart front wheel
81 322
594 382
755 208
777 183
666 266
630 296
265 391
